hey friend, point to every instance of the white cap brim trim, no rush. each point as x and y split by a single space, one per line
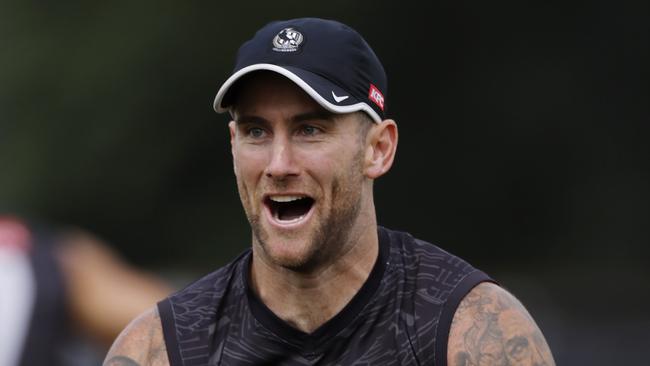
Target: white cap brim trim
361 106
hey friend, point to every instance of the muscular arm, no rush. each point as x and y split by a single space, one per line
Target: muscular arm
491 327
141 343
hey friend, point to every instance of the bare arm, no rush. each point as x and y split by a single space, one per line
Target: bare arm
491 327
141 343
104 292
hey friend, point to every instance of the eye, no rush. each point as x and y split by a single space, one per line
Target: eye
255 132
309 130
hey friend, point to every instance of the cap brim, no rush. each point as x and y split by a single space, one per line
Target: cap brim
324 92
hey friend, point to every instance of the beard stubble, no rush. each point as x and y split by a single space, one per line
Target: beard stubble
328 240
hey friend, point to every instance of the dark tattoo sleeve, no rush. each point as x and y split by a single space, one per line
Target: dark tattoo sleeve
141 343
491 327
120 361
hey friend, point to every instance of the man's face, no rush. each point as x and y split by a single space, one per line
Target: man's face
299 173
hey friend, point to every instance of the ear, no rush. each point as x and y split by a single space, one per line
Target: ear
381 146
232 126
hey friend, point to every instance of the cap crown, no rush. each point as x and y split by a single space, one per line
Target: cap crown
327 48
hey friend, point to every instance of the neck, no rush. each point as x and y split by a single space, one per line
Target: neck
307 300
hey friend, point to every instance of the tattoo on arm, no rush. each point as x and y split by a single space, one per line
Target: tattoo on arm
491 327
120 361
140 344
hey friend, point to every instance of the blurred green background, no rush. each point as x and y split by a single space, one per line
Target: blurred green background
523 140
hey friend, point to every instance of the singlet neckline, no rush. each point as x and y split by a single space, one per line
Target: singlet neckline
310 342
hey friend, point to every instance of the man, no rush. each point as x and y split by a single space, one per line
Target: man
323 284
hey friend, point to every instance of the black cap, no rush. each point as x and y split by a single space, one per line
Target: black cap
330 61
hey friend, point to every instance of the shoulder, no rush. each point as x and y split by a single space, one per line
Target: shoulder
200 299
491 326
215 283
140 343
405 246
440 276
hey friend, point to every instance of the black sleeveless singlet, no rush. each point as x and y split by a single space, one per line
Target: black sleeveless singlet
400 316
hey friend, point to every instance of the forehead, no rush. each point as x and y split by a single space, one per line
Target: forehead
268 92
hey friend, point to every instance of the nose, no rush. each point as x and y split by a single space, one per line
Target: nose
282 163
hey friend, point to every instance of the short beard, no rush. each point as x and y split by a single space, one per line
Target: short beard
330 238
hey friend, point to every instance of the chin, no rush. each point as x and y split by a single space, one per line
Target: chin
293 253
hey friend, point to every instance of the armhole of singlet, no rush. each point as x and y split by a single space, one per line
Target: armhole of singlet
169 332
449 309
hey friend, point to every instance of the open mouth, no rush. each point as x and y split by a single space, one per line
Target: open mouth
287 209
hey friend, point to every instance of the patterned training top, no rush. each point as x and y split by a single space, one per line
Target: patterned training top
401 315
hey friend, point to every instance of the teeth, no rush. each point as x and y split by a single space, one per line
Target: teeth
285 198
290 221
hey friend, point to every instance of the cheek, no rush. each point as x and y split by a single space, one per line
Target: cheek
321 171
336 160
248 165
248 170
321 166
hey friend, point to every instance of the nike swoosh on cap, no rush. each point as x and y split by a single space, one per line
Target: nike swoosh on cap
339 99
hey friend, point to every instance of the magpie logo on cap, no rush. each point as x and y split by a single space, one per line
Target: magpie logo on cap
288 40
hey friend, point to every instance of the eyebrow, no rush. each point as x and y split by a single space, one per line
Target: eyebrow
302 117
251 119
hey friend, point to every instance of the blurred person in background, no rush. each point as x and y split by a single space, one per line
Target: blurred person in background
58 284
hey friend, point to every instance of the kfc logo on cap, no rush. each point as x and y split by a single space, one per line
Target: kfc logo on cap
376 96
